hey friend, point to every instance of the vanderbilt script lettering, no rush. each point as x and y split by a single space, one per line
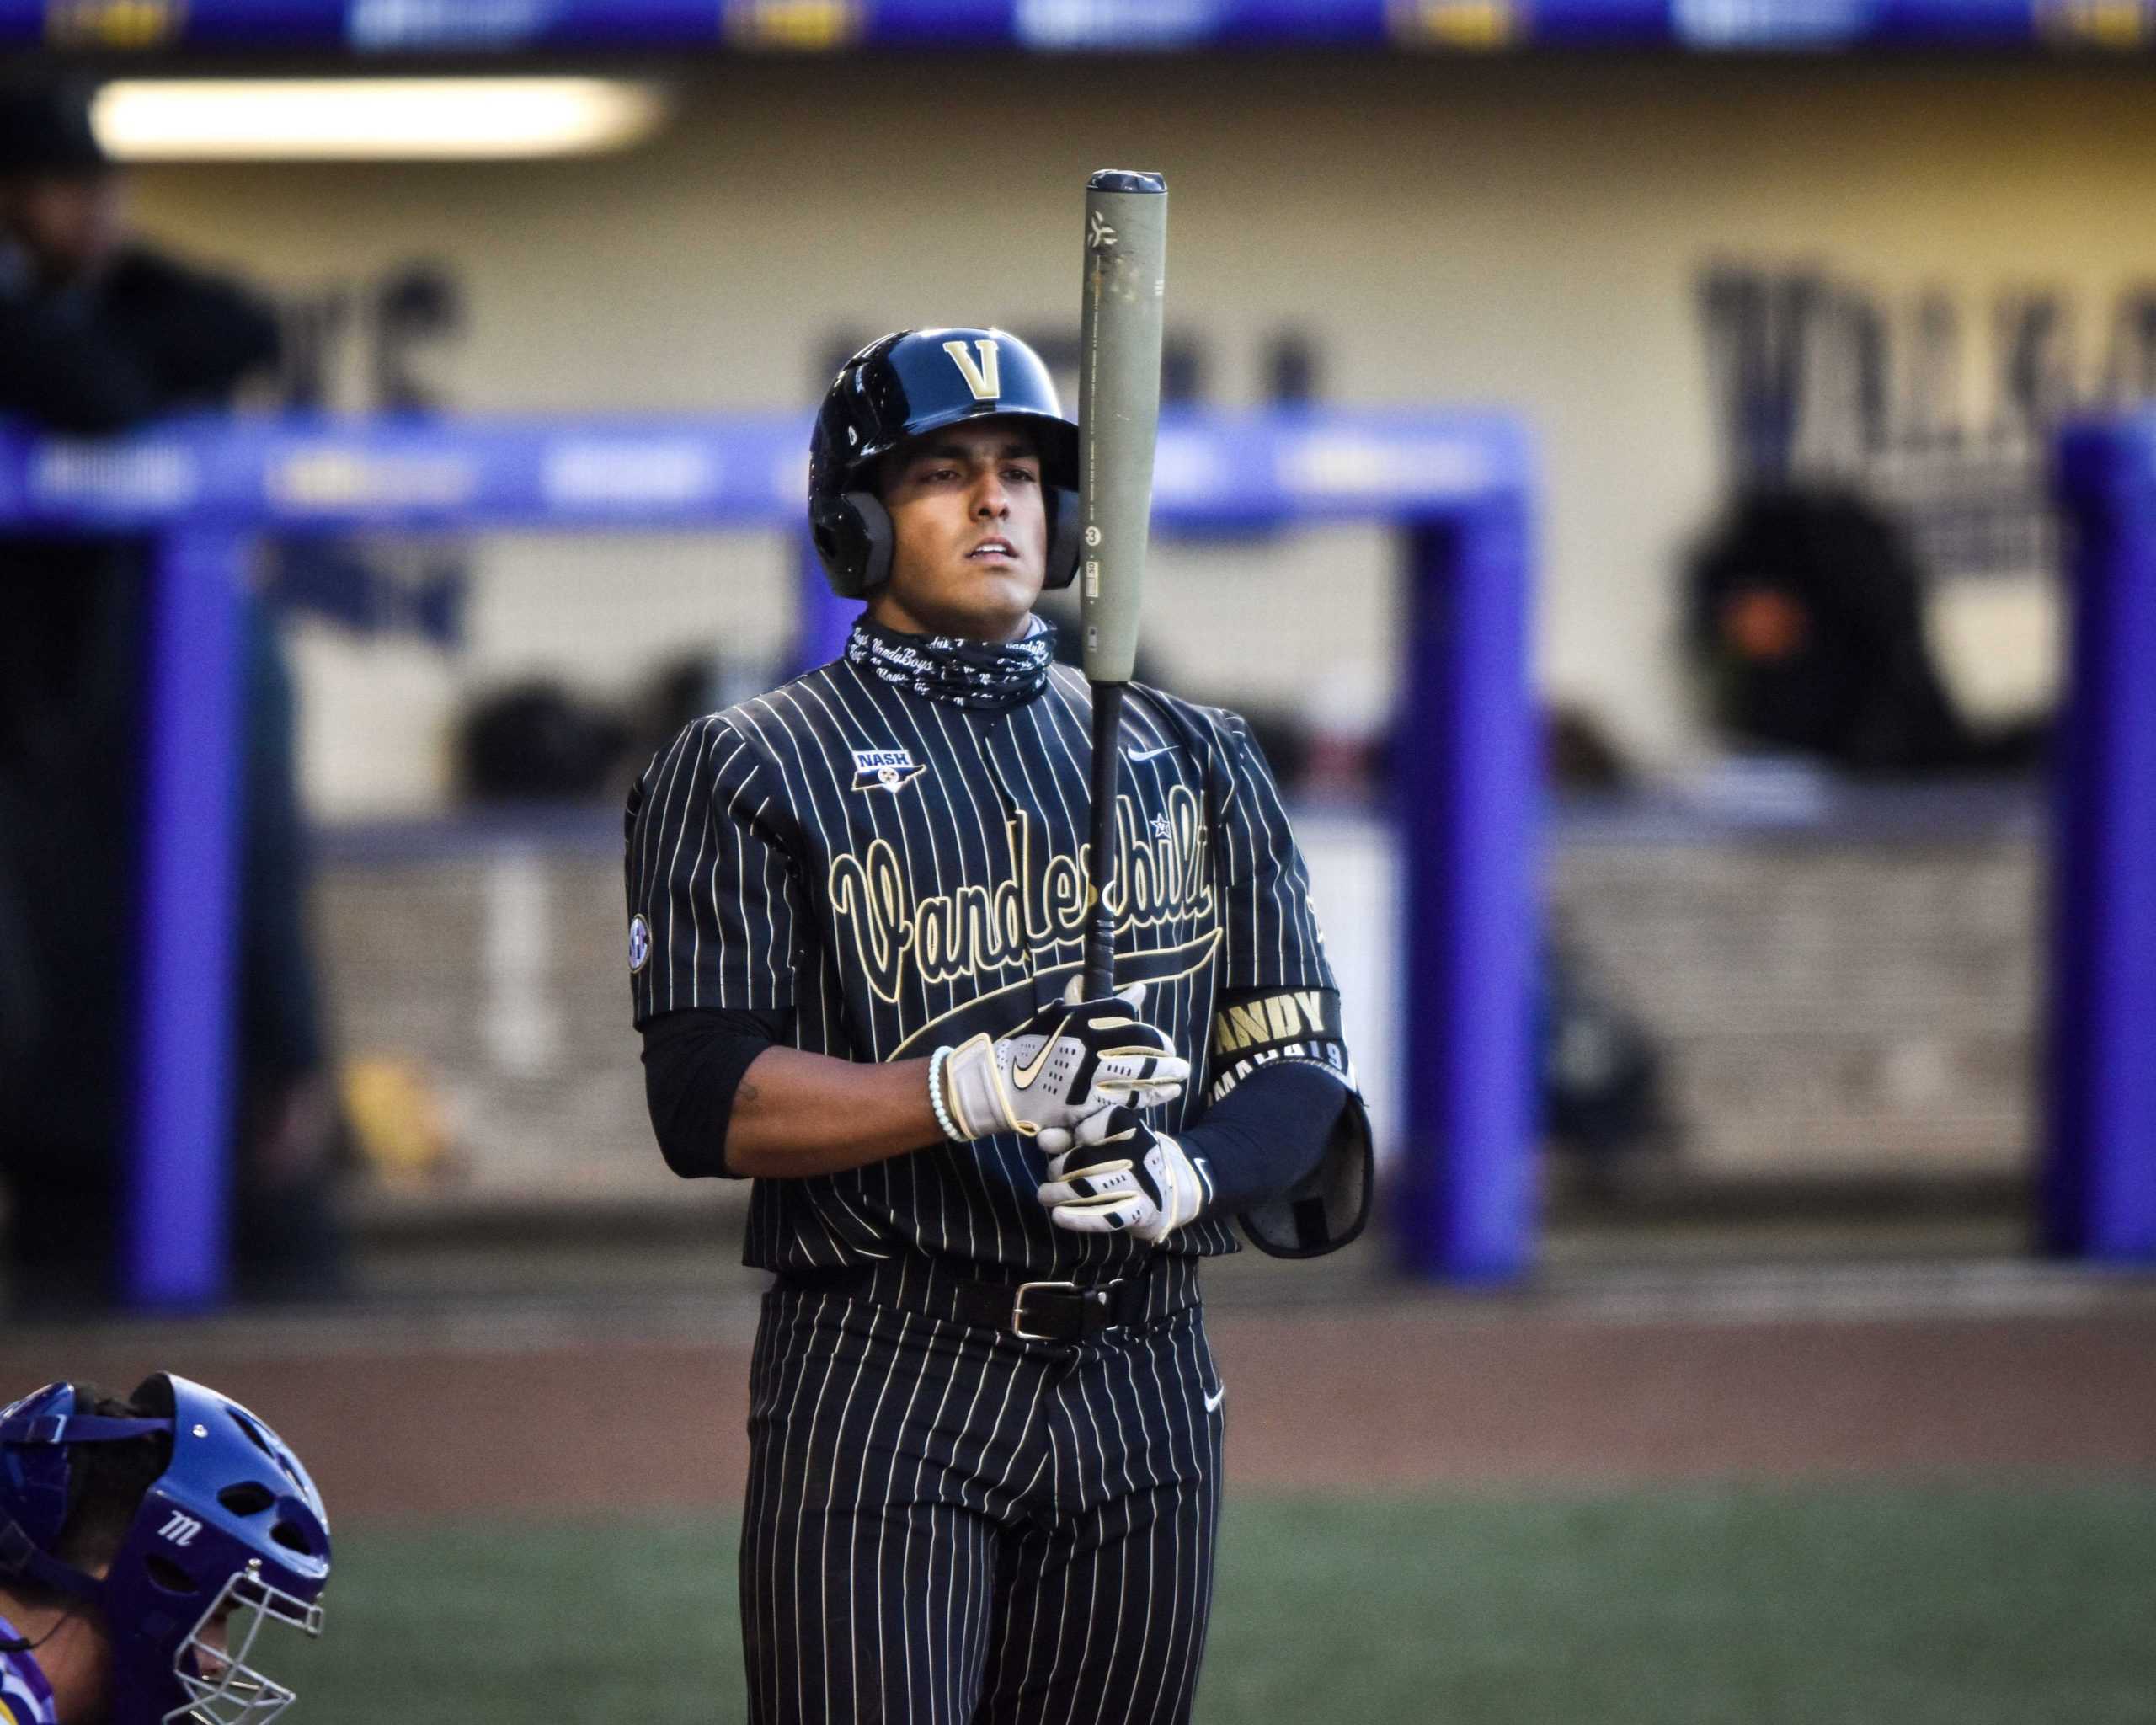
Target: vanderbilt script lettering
1164 877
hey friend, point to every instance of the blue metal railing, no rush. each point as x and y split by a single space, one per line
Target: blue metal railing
1458 486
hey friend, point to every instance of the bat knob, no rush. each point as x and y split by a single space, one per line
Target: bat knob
1126 180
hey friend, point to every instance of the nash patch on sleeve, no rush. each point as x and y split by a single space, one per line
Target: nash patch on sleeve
1258 1024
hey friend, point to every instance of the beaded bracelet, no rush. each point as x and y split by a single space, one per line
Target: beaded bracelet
936 1062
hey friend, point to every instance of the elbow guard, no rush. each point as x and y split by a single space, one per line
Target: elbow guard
1329 1206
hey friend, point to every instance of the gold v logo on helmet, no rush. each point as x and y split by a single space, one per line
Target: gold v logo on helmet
981 378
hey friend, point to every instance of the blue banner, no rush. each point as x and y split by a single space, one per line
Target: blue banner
298 475
391 27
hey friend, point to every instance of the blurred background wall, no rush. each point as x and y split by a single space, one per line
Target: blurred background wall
1846 997
1789 1010
1530 232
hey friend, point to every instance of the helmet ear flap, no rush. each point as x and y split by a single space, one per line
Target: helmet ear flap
876 537
1063 512
853 538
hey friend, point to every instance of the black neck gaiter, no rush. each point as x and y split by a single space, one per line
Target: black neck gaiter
987 677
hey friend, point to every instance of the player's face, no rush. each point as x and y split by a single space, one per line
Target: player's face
969 527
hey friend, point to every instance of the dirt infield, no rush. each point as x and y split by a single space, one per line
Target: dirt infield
405 1415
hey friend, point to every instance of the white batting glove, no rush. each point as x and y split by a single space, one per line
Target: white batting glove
1062 1064
1128 1179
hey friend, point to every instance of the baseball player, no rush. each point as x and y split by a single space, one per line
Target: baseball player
986 1424
144 1545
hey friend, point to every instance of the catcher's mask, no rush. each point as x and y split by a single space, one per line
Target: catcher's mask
917 381
231 1535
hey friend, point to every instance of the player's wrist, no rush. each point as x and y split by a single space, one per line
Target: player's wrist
938 1098
972 1093
1195 1182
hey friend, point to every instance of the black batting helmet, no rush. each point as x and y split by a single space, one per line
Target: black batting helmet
918 380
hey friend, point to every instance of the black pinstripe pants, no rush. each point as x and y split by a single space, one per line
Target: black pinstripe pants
946 1525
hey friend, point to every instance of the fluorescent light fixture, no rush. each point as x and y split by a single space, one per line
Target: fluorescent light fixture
370 118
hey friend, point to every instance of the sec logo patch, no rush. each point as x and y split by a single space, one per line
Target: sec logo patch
639 943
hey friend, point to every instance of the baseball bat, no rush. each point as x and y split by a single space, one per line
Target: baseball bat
1118 417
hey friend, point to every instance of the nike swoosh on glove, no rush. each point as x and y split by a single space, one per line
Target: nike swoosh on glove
1063 1063
1121 1176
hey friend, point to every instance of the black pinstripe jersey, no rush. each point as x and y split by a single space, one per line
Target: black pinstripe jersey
899 871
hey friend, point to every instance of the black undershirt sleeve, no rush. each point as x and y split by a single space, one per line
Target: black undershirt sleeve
693 1063
1268 1133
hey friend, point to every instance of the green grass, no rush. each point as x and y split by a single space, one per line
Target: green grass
1859 1606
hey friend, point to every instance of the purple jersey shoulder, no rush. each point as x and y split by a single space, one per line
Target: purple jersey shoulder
25 1697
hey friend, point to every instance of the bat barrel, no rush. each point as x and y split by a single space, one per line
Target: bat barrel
1118 406
1118 415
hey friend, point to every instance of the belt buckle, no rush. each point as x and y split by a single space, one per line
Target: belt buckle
1018 1308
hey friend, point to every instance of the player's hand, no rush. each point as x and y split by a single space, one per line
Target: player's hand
1121 1176
1062 1064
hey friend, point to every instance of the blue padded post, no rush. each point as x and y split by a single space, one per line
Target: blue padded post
823 618
2098 1190
1469 785
174 1256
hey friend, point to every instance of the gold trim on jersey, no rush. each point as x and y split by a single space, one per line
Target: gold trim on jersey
976 931
1163 964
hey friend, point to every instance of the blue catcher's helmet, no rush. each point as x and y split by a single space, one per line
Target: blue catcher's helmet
916 381
230 1535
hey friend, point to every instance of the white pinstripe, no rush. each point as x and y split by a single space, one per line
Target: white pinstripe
1079 1451
753 1599
991 1146
870 727
666 798
921 1465
706 836
1152 1577
877 804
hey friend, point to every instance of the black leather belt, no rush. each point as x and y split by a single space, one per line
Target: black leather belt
1033 1311
1052 1311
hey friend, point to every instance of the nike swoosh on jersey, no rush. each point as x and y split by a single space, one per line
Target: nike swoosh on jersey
1148 754
1216 1398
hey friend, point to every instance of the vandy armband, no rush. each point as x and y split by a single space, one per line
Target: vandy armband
1257 1026
1270 1037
